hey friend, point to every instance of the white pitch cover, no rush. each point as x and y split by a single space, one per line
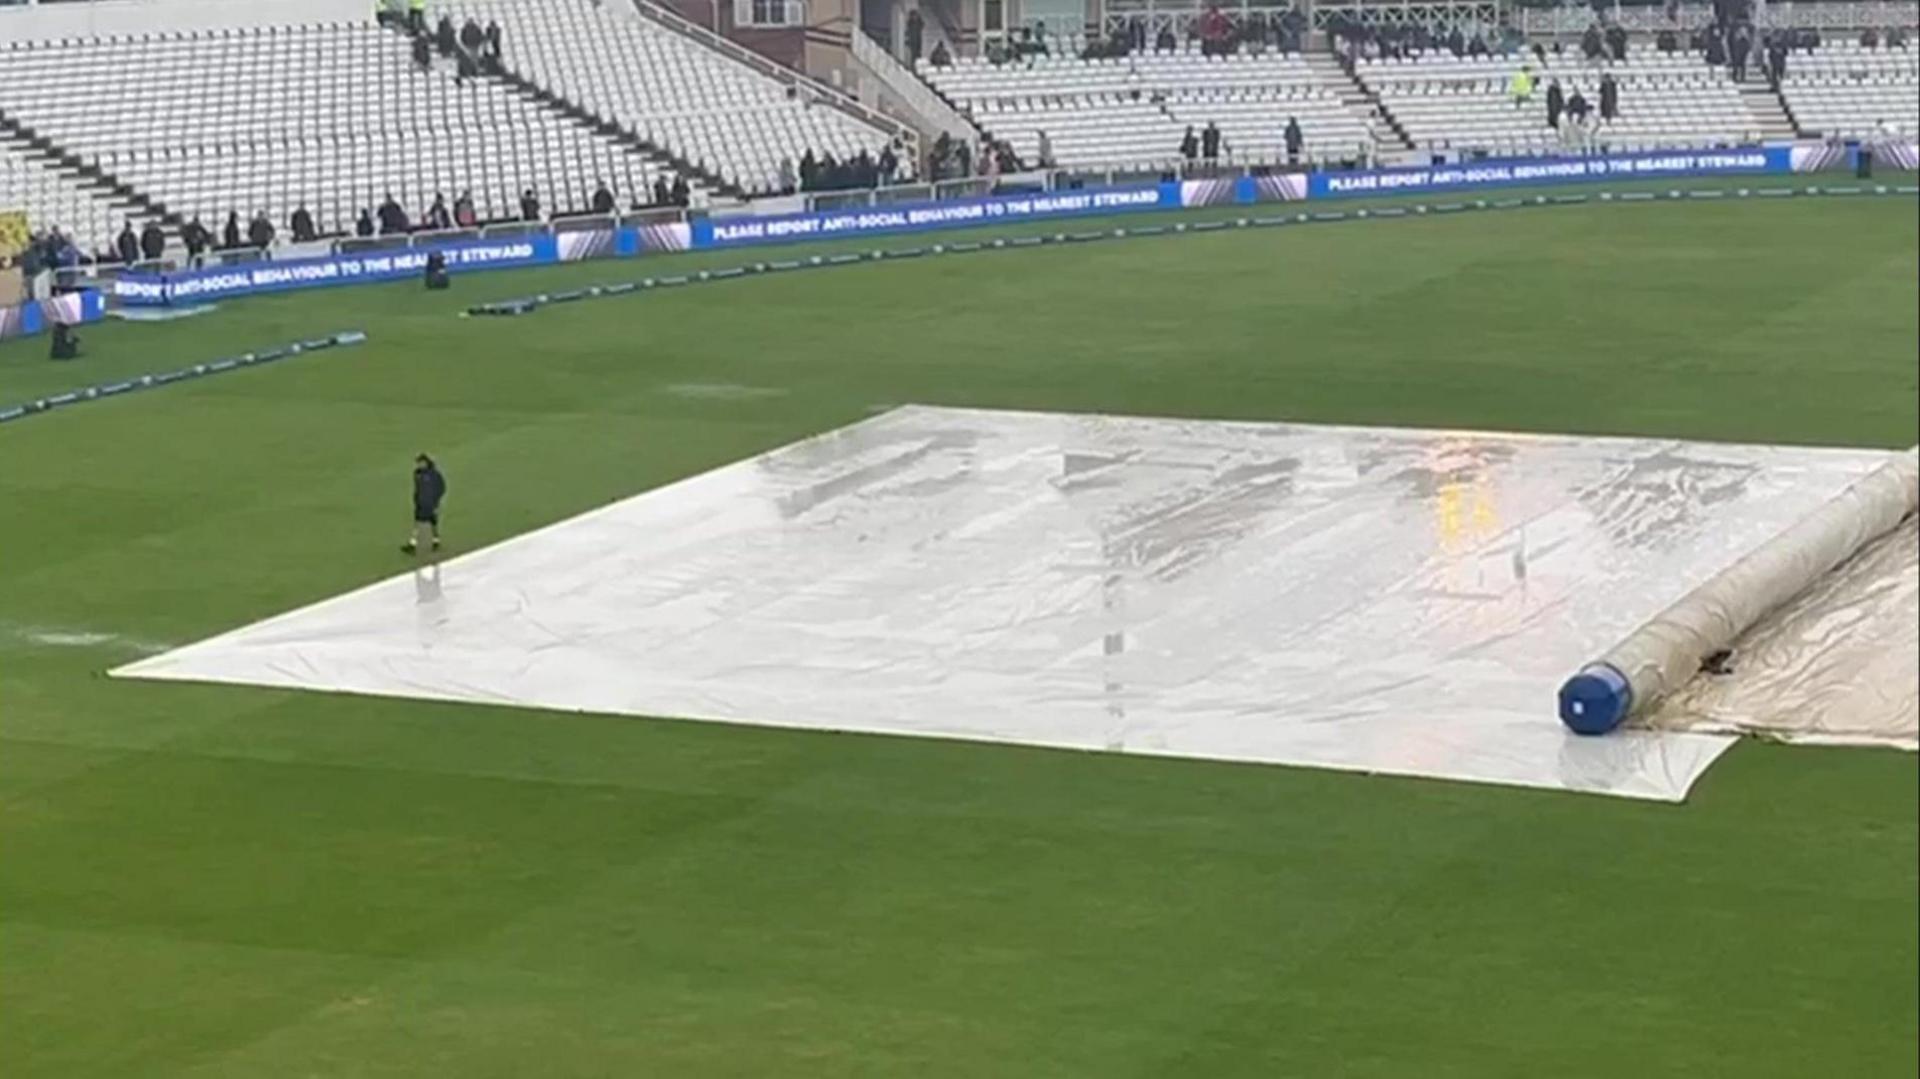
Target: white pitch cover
1378 600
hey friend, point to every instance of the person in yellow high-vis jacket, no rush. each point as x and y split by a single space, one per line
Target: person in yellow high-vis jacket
1521 85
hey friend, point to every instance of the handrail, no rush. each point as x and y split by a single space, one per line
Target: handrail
938 113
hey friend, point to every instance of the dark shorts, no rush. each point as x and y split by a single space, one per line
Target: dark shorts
427 517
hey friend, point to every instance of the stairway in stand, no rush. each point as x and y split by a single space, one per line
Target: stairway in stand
1333 73
1773 119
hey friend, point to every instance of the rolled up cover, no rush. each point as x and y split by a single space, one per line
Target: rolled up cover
1662 655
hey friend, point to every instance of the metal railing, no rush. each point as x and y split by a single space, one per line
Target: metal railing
646 9
1422 13
1852 15
933 110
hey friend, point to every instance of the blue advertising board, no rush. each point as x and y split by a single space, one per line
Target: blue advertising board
921 217
215 282
1510 172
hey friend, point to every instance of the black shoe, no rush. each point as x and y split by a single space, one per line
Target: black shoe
407 548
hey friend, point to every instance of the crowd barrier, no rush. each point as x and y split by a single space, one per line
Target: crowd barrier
37 316
624 239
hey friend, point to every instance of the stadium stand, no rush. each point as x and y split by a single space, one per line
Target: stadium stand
723 115
333 115
88 212
1667 100
1133 111
1848 91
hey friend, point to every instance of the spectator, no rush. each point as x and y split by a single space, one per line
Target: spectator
1210 143
603 200
1591 45
1776 59
443 38
1577 106
1609 97
472 37
301 225
663 192
463 212
364 226
682 194
437 216
1617 42
1739 46
196 237
422 54
153 242
1521 85
940 57
789 182
529 206
889 163
1045 151
1295 140
1190 145
1556 101
1716 46
127 245
493 43
1457 43
1869 38
393 219
260 230
1165 41
230 232
915 28
1476 46
1667 42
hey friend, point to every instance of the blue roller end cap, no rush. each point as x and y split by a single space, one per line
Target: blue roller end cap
1596 700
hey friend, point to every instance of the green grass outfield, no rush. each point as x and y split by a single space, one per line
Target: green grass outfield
215 881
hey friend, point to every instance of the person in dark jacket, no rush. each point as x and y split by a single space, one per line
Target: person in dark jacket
443 38
230 232
529 206
1189 145
393 219
1739 47
1296 140
260 231
493 40
301 225
364 226
1609 97
1210 142
196 237
1556 101
916 28
603 200
1577 106
662 191
1592 44
127 245
472 37
438 216
422 53
1617 41
682 195
429 489
153 242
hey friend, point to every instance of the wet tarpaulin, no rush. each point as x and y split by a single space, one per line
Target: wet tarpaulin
1390 601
